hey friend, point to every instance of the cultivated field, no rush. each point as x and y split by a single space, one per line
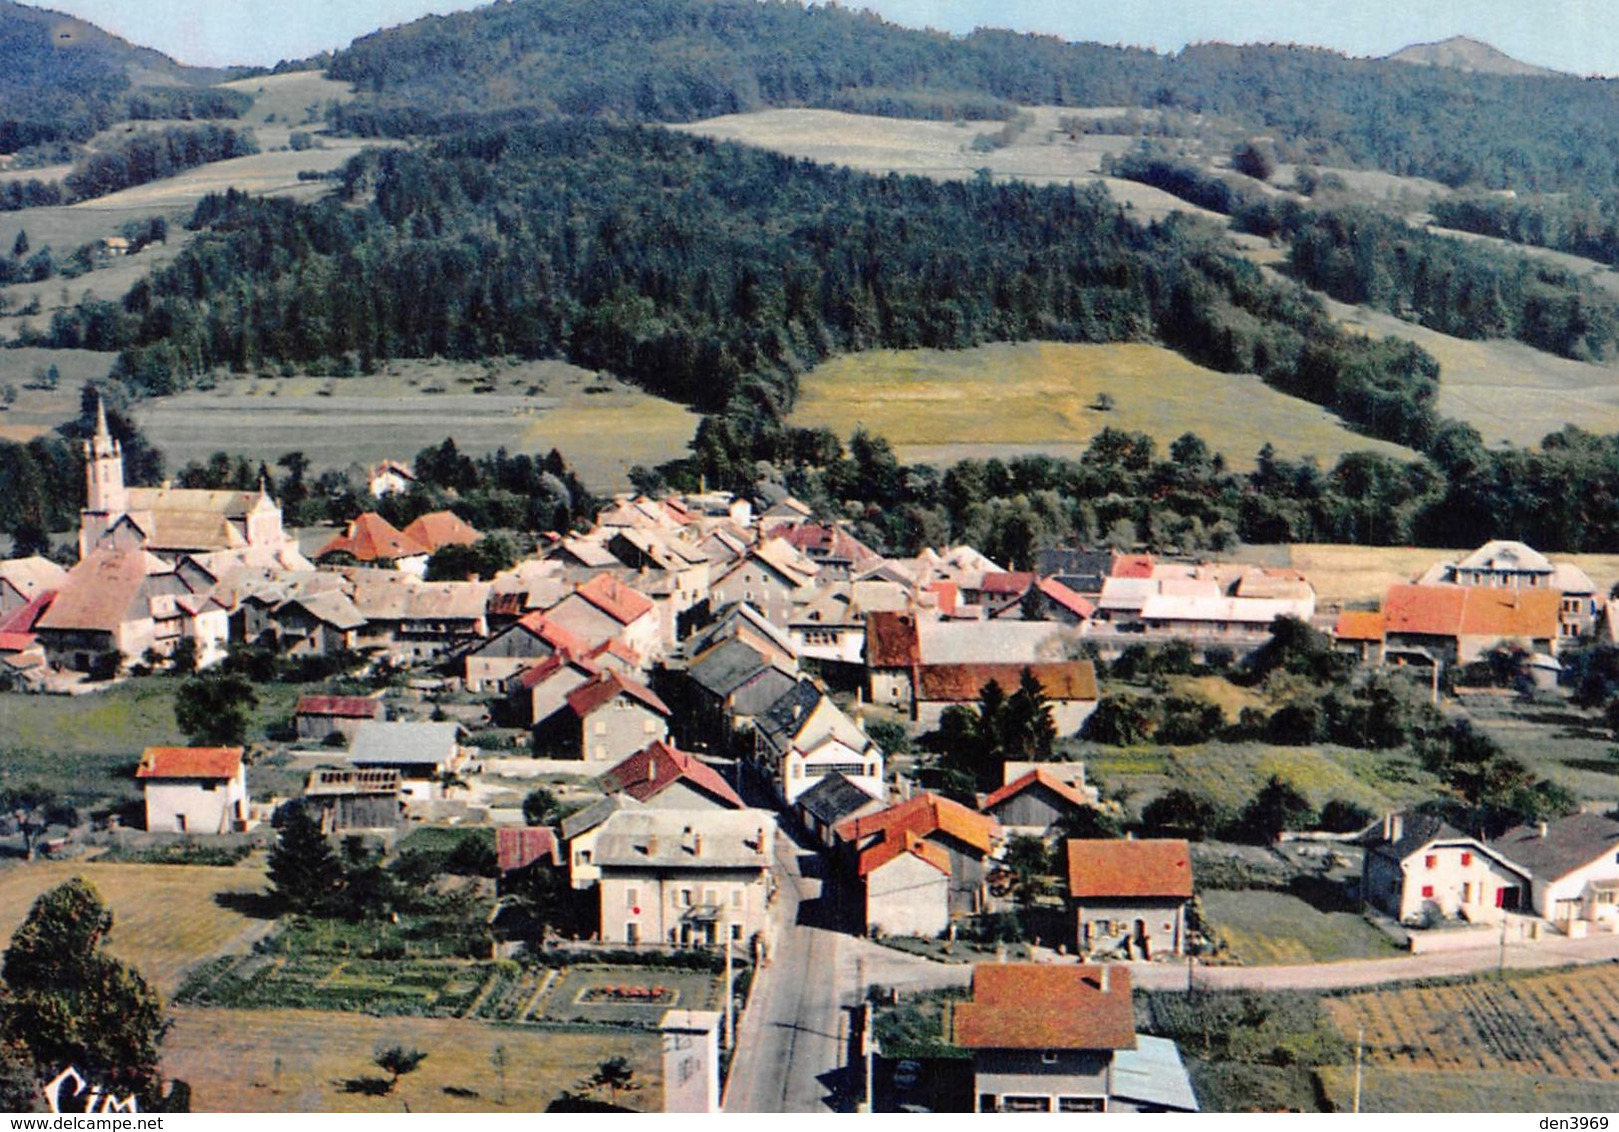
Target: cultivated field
1264 928
165 917
300 1061
1564 1025
939 406
1406 1090
39 411
601 425
1232 773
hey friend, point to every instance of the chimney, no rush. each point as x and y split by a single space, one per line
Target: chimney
1540 829
1396 827
696 845
652 769
1103 983
759 838
652 845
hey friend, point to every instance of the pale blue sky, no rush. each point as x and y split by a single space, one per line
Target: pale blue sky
1581 36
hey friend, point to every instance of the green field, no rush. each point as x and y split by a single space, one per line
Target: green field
939 406
1264 928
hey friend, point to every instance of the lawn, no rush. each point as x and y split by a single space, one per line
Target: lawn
689 990
1009 400
1232 773
1263 928
166 919
1571 747
443 988
38 411
298 1061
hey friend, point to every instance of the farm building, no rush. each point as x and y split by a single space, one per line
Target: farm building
1069 686
194 789
346 799
967 838
1130 896
1038 800
421 752
318 717
829 803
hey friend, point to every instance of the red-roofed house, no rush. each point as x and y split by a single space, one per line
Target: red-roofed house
967 839
373 541
609 718
1132 566
518 848
893 654
438 529
317 717
540 692
1037 800
1130 896
1360 632
1459 624
907 884
664 777
1069 685
532 637
604 608
194 789
1059 603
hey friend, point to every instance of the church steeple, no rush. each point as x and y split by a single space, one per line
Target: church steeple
105 497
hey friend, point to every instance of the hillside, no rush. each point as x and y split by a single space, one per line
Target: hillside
65 79
1463 54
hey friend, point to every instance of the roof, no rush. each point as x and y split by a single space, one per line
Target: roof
1506 555
536 674
1059 594
1260 611
833 798
1471 611
1102 869
686 839
190 762
24 618
824 540
371 538
991 642
1038 776
518 848
398 467
924 815
1047 1007
608 686
727 666
619 601
1131 566
1569 843
1152 1074
892 641
593 815
1007 583
784 718
899 843
32 575
401 744
653 769
441 528
349 707
559 637
1359 625
960 683
335 609
17 642
101 592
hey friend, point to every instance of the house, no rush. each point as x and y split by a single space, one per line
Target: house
804 736
898 645
828 545
740 681
115 606
1055 602
391 477
317 624
1080 571
1573 866
1508 564
194 789
767 578
686 878
831 802
1216 619
831 626
1459 624
664 777
604 608
371 540
968 839
318 717
422 753
906 883
1360 633
438 529
409 620
608 718
348 799
520 850
531 638
1038 800
1130 896
1069 686
1419 869
1060 1038
538 693
24 579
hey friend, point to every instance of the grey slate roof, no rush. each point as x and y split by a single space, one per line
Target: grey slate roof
403 744
1152 1075
1416 831
833 798
590 817
1570 843
782 720
727 667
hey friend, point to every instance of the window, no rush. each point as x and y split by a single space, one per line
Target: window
632 897
1467 894
601 727
1013 1103
736 898
1081 1104
1049 1057
210 787
649 726
685 898
736 932
711 897
1467 858
1431 861
1427 892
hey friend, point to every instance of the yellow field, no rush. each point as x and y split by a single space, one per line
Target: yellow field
298 1061
1407 1090
938 406
164 917
1563 1025
1362 574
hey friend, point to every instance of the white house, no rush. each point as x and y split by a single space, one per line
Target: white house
194 789
1573 865
804 736
1417 866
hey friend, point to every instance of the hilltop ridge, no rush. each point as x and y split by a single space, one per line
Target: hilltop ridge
1461 53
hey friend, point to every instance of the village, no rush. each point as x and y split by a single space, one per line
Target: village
724 729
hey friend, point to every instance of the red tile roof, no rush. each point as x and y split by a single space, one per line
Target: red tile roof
961 683
619 601
1103 869
1061 595
537 674
519 848
1041 776
924 815
23 619
1359 625
348 707
441 528
190 762
823 540
1471 611
896 844
892 641
652 770
17 642
371 538
1007 583
1045 1006
949 596
1131 566
608 686
553 634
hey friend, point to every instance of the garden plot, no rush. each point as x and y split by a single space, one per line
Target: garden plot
587 995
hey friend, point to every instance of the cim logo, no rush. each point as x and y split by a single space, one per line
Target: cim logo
96 1100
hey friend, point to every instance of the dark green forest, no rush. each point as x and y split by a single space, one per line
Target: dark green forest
1578 224
680 60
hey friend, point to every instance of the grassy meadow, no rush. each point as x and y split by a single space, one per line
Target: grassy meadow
1264 928
1007 400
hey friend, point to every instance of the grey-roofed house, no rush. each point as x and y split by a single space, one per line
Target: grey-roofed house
420 752
832 800
1573 865
740 679
804 736
1418 869
579 833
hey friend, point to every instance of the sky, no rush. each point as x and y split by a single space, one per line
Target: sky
1570 35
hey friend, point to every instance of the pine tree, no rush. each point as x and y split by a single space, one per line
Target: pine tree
304 871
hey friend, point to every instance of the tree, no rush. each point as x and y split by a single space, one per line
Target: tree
1254 159
1179 813
1030 863
540 806
215 709
67 1002
33 810
1092 824
614 1074
304 872
398 1061
184 657
20 246
1278 806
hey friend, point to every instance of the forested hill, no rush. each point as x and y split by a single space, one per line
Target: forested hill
62 79
668 60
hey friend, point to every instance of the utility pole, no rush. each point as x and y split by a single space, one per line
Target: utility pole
1501 965
730 998
865 1033
1360 1045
